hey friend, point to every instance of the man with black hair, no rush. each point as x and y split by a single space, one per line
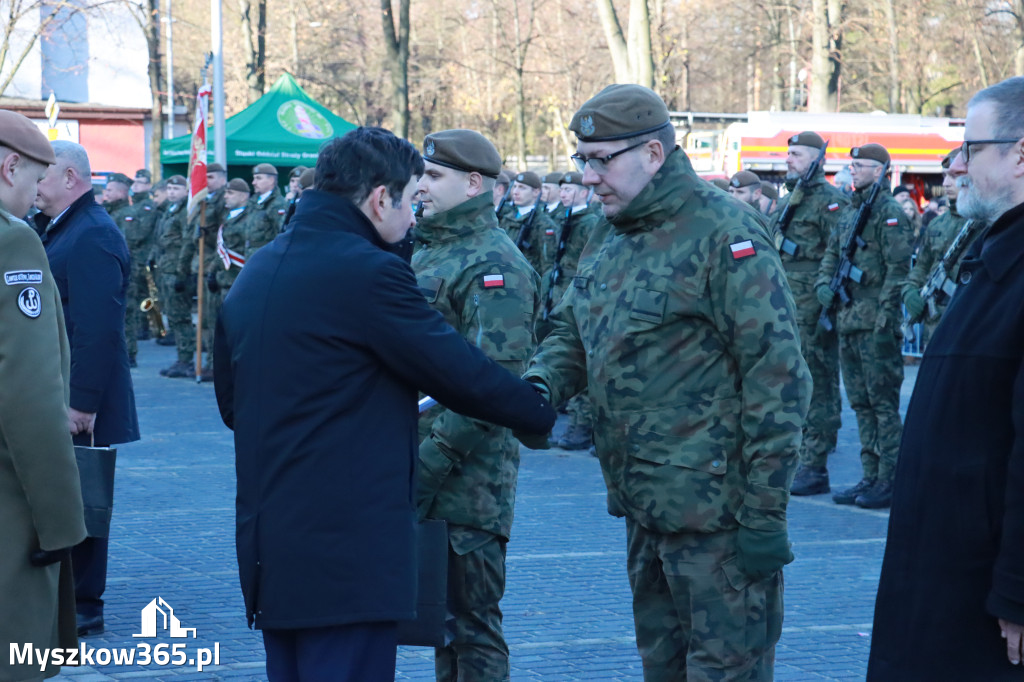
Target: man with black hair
321 347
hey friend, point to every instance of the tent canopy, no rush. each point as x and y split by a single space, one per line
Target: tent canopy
285 127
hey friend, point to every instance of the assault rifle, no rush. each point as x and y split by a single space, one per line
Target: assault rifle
556 267
846 271
795 198
523 242
939 280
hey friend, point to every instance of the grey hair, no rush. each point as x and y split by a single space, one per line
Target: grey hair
666 135
72 155
1008 98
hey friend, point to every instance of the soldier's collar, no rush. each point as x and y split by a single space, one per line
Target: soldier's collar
662 197
470 216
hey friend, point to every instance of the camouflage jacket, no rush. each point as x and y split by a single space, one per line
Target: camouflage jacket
120 212
473 274
940 235
170 235
877 300
542 240
581 226
681 324
215 213
815 217
259 227
231 238
274 206
140 231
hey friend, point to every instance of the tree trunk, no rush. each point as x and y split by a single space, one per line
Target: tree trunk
616 40
520 56
639 49
397 50
820 66
895 87
156 84
254 44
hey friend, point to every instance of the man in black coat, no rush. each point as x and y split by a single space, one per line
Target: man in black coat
89 260
322 344
951 596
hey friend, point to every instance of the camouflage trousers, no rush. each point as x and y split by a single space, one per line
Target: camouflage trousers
697 616
178 308
477 651
138 289
821 352
211 308
581 413
873 373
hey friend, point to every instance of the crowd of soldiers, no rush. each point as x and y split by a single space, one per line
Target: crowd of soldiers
167 237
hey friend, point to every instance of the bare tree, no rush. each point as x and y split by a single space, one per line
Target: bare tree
396 44
826 55
631 58
254 42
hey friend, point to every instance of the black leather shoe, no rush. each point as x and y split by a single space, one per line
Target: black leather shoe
850 495
878 497
89 625
810 481
167 340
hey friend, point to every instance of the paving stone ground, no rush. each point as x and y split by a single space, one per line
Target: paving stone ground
567 605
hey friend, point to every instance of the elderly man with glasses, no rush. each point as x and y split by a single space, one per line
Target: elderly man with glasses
680 323
951 595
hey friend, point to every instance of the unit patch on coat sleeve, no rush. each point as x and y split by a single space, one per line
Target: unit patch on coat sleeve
23 277
29 302
742 249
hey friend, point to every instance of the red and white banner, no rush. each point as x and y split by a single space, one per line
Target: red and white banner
197 157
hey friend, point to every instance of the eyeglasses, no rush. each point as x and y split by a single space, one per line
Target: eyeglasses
965 148
599 164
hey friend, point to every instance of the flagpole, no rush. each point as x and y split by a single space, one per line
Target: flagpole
220 147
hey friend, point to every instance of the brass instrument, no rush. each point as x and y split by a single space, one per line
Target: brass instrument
151 305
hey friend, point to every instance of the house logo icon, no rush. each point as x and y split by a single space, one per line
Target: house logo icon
170 621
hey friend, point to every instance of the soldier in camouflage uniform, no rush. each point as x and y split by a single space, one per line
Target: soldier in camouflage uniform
869 328
682 326
267 195
939 236
769 197
115 199
746 187
540 240
229 256
550 197
473 274
575 231
138 234
171 277
502 195
817 206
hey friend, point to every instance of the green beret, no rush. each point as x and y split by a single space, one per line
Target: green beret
552 178
296 172
572 179
144 175
503 178
807 139
769 190
239 185
949 158
619 112
464 150
529 178
119 177
216 168
720 183
24 137
265 168
177 180
872 151
745 179
307 178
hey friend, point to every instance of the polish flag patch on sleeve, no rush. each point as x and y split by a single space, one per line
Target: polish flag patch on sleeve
742 249
892 221
833 207
492 281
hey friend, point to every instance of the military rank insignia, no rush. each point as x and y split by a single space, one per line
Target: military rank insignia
742 249
493 281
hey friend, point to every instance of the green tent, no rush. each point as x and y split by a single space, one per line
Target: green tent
285 127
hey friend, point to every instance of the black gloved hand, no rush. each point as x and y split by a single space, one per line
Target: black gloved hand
536 441
44 557
762 553
211 283
179 285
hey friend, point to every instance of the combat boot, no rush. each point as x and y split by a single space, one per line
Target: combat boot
810 481
179 370
206 376
577 437
166 340
850 495
878 497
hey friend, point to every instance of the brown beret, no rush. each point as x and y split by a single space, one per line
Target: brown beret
297 172
872 151
619 112
143 174
949 158
215 168
119 177
745 179
572 179
503 178
24 137
307 178
552 178
769 190
720 183
529 178
464 150
239 185
808 139
160 186
265 168
177 180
